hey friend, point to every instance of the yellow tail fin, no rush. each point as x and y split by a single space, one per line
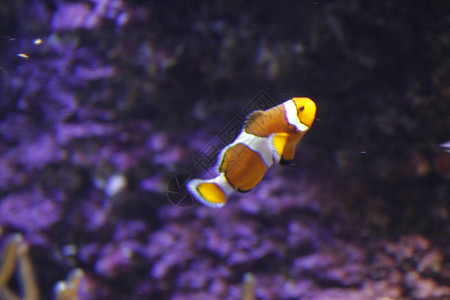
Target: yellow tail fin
212 193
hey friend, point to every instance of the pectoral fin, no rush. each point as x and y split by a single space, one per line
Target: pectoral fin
285 144
280 141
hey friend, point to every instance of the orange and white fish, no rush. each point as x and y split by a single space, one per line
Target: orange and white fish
267 138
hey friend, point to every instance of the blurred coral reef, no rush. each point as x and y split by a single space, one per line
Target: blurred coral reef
103 102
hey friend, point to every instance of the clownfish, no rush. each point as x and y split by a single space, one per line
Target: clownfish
267 138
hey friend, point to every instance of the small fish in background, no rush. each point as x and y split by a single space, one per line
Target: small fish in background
267 138
446 146
442 161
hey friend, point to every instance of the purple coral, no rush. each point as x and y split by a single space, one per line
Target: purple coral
29 211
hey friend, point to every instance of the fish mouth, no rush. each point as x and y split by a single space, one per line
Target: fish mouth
304 126
301 126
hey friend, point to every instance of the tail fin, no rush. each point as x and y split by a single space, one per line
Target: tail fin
212 192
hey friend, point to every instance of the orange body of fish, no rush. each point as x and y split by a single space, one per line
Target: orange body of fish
267 138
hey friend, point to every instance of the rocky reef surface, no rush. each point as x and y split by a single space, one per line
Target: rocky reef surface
104 103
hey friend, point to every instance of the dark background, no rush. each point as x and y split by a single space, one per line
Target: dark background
173 75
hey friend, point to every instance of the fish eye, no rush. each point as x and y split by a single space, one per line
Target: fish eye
301 108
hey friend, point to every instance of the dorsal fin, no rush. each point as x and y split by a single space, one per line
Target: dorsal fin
251 118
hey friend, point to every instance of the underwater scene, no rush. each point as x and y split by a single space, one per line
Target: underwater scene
212 150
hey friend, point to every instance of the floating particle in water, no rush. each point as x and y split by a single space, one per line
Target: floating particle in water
23 55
